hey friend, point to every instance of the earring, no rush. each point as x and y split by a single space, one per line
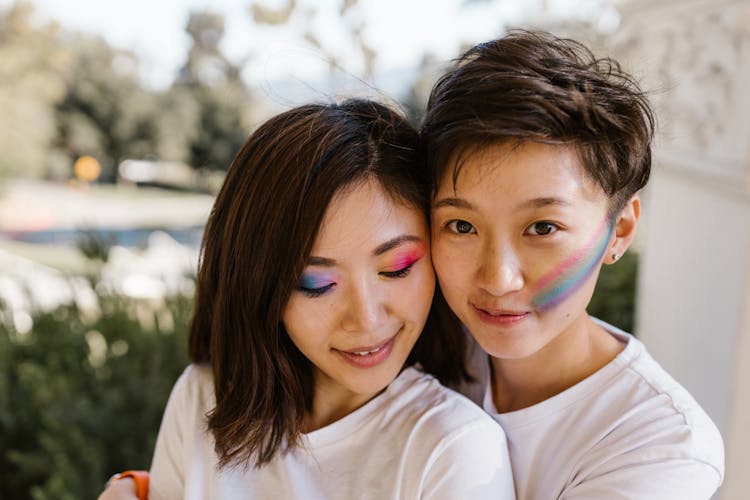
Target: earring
615 257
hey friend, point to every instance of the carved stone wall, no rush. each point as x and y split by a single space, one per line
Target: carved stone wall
693 307
695 56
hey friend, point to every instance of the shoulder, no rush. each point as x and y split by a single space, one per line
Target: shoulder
194 389
652 419
453 445
437 412
661 403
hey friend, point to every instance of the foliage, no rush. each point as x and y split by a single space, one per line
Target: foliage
614 297
31 83
105 113
82 398
66 95
213 83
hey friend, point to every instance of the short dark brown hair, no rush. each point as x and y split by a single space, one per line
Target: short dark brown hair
533 86
255 246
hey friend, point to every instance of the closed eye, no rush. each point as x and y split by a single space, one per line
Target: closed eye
315 292
399 273
316 283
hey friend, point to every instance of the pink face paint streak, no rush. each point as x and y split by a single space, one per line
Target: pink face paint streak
404 259
560 283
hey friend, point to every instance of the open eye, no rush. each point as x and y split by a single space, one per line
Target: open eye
460 226
541 228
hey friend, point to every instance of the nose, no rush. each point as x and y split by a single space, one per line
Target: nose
499 270
365 309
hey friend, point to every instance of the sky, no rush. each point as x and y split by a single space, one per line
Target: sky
401 31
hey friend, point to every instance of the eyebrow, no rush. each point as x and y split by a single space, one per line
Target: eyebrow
533 203
543 202
379 250
452 202
393 243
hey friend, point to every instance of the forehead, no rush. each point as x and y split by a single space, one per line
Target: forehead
361 217
518 169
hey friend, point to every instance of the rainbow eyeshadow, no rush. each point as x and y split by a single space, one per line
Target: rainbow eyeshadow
318 279
562 281
405 258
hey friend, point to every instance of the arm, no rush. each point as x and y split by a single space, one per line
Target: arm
170 453
473 463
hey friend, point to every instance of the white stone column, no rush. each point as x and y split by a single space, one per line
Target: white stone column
693 308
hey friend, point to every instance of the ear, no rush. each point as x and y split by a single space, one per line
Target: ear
625 226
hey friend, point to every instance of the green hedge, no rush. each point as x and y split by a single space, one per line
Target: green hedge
80 400
614 297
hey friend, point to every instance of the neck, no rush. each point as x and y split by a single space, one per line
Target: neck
331 403
578 352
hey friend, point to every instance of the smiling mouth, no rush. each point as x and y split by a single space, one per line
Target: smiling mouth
365 353
369 356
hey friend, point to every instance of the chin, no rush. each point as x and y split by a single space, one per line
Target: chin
502 345
370 383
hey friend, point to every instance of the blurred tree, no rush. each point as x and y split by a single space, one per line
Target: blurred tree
350 20
266 15
213 83
415 99
220 130
177 124
66 95
105 112
31 83
206 64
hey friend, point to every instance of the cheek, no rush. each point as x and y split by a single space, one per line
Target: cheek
307 321
568 283
453 265
414 296
409 300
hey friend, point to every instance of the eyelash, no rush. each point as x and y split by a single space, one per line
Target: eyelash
454 230
400 273
317 292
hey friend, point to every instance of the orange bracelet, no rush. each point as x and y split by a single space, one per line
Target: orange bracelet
140 477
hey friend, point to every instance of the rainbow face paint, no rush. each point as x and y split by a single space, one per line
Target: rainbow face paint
404 258
565 279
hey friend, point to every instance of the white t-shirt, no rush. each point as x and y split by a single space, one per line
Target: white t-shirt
415 440
629 431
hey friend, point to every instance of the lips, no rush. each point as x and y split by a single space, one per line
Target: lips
368 356
501 317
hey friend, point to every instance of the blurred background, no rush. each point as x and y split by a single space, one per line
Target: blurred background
119 119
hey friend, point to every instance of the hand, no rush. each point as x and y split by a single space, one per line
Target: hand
121 489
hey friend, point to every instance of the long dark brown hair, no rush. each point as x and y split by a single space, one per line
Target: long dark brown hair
533 86
255 246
